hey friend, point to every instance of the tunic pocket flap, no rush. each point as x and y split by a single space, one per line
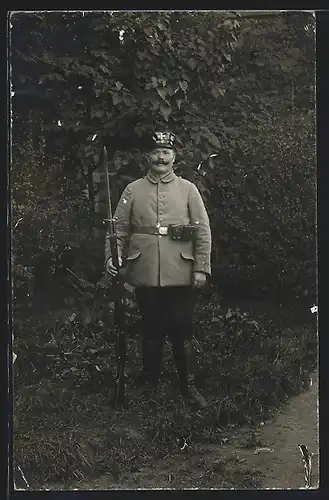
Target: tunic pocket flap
187 255
133 256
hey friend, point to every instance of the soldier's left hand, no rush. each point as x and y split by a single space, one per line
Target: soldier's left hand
198 279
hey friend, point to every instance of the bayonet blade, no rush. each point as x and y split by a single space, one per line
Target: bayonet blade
107 186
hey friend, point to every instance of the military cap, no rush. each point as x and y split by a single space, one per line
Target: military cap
163 140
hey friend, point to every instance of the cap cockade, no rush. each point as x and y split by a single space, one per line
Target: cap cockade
163 140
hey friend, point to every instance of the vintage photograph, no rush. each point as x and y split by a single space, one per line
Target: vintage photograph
163 218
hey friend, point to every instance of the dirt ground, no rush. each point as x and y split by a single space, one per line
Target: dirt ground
278 459
270 459
297 424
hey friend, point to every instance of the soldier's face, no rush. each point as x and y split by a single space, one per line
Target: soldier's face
162 160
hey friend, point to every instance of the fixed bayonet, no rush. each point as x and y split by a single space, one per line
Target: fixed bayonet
118 288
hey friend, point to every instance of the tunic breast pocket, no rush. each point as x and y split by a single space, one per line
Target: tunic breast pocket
187 255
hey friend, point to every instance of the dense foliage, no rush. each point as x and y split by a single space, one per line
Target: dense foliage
237 87
238 90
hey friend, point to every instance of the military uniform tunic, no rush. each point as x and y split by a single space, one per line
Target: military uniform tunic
156 260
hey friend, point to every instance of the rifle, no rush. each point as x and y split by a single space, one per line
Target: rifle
119 310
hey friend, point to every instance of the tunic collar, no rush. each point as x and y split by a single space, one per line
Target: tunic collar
166 178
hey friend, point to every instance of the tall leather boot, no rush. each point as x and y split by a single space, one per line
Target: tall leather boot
183 357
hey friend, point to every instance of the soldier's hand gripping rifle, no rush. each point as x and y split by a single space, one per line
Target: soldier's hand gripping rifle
118 286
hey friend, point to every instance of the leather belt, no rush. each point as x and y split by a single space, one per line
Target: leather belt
157 230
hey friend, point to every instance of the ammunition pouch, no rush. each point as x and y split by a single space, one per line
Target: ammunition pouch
181 232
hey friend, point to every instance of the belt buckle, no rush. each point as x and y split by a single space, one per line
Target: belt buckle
163 230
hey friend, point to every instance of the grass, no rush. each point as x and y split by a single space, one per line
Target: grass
65 430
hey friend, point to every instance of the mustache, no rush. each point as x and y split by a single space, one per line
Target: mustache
161 162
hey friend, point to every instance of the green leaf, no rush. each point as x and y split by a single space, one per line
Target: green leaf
178 102
186 76
218 90
116 99
161 26
104 68
165 111
183 85
147 30
211 138
227 55
162 91
221 91
154 81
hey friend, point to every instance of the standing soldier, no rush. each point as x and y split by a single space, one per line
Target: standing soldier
162 222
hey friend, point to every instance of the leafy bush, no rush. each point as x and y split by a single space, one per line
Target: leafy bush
52 228
262 201
258 362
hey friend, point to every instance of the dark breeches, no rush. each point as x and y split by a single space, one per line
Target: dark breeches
166 311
